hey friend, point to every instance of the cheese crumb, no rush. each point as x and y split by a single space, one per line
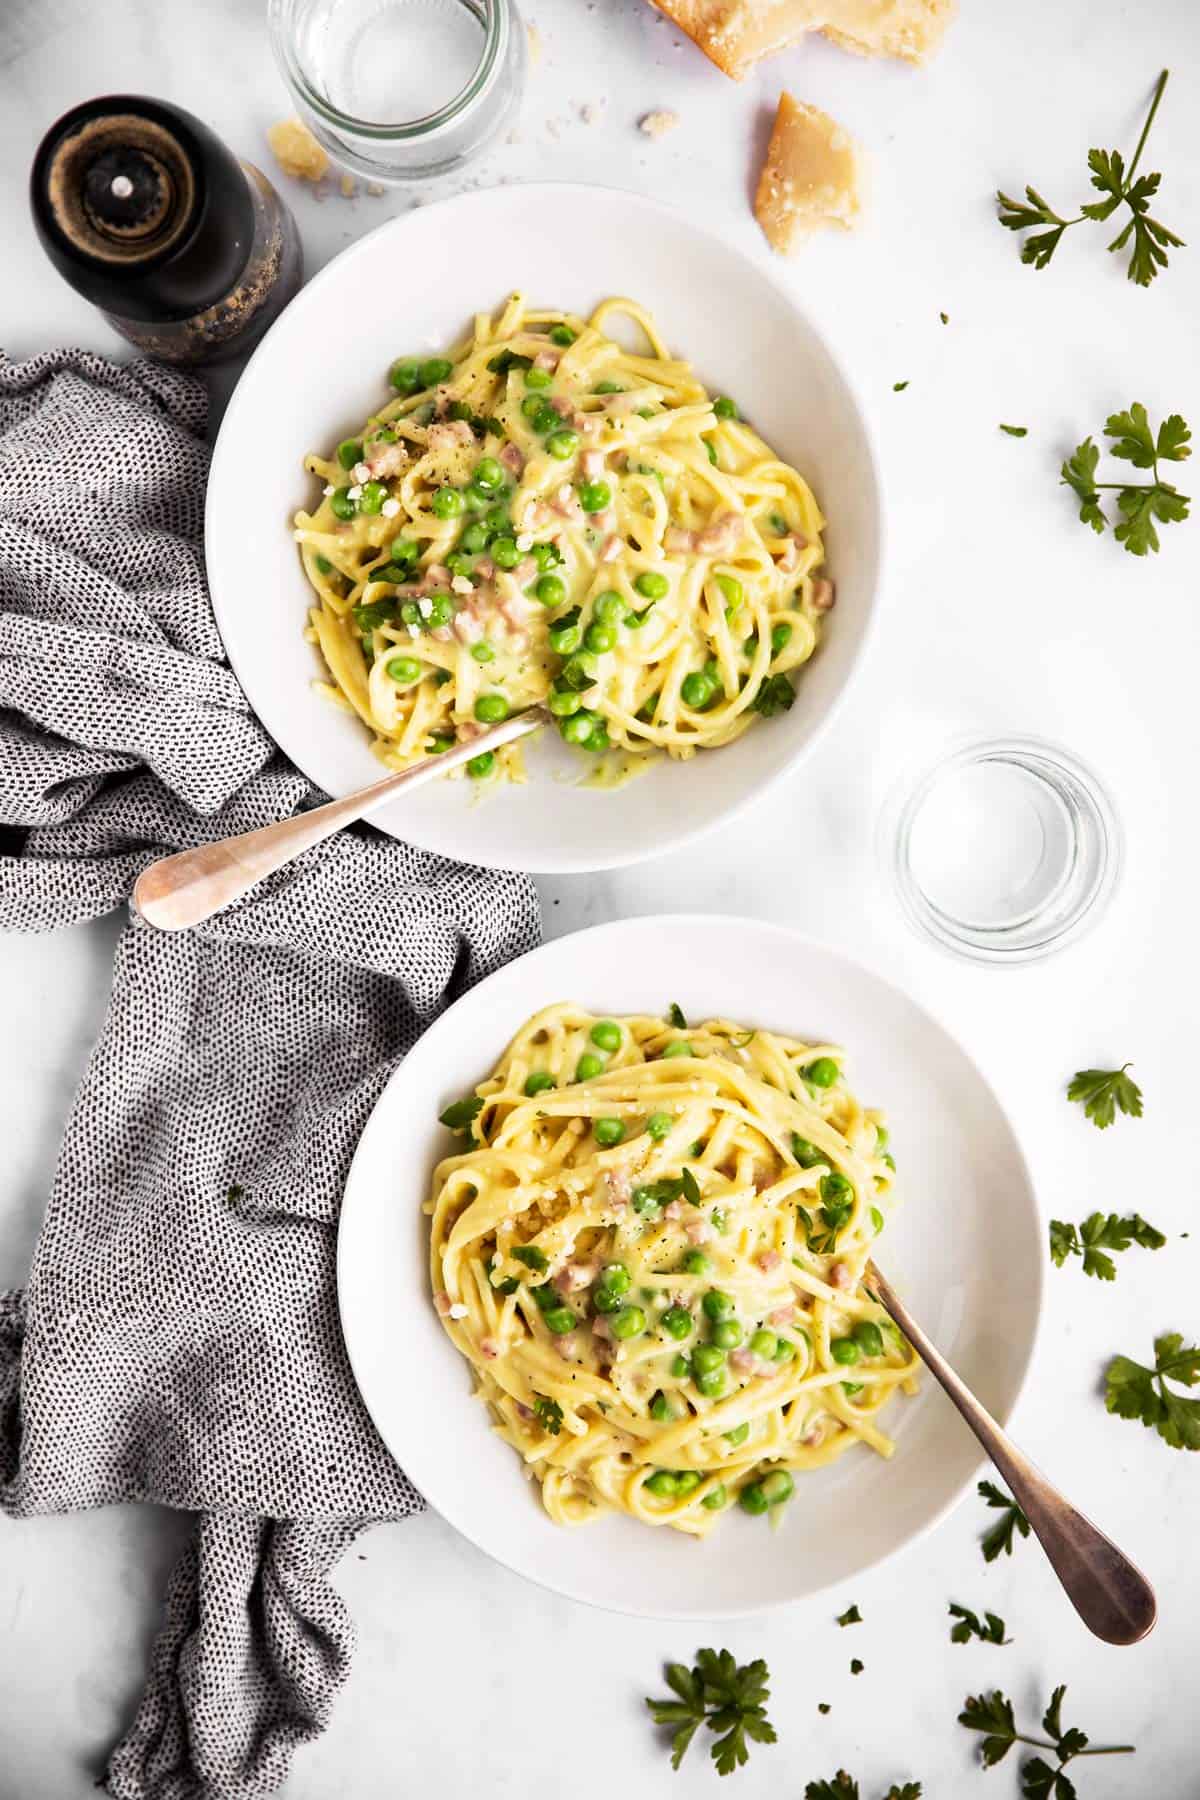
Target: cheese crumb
390 508
735 34
297 151
376 189
657 124
355 492
462 584
810 178
457 1311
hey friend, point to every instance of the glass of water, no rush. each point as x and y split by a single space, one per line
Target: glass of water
401 89
1005 850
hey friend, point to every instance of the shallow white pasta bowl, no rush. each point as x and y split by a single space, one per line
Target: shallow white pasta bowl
413 286
965 1249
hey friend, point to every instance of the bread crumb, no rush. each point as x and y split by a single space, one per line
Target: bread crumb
297 151
376 189
657 124
348 186
810 178
735 34
535 44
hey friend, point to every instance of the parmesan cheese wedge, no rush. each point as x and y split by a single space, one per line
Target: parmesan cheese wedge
297 151
810 178
735 34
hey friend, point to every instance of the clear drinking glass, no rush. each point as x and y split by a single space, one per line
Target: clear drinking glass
1004 851
401 89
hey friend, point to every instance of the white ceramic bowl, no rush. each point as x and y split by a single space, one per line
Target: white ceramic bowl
966 1249
413 286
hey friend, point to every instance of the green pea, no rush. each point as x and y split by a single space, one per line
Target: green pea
458 563
727 1334
850 1388
578 728
565 638
732 589
877 1220
562 334
545 419
491 708
405 377
404 669
341 505
435 369
882 1137
630 1322
608 607
604 1300
651 585
777 1487
594 496
738 1435
551 590
661 1484
784 1350
806 1154
531 1256
562 444
489 474
616 1278
822 1073
680 1367
711 450
658 1125
697 691
477 498
720 1222
580 672
546 556
715 1498
441 610
538 1081
695 1263
373 495
560 1320
349 452
505 553
608 387
410 613
764 1343
588 1067
844 1351
447 503
563 705
597 638
753 1501
532 405
678 1322
677 1047
724 407
781 637
606 1035
717 1305
608 1132
597 739
687 1481
538 378
437 745
707 1357
868 1337
889 1159
660 1407
473 537
483 651
713 1383
404 550
646 412
835 1188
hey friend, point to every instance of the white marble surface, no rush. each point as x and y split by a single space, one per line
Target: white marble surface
1001 613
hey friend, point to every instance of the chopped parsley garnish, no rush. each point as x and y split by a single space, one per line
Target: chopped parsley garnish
460 1115
1101 1091
548 1414
851 1616
989 1631
999 1540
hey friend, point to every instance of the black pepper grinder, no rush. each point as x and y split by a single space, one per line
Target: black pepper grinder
188 253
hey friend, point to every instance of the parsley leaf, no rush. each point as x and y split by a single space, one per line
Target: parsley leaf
1138 503
840 1788
898 387
969 1626
856 1666
691 1189
910 1791
460 1115
1016 430
1119 187
728 1699
992 1714
675 1016
548 1414
999 1540
1133 1391
1098 1233
774 696
851 1616
1102 1091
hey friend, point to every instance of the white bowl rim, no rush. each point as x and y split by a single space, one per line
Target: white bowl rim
568 862
785 935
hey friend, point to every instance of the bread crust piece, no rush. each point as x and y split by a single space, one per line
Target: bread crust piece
735 34
811 178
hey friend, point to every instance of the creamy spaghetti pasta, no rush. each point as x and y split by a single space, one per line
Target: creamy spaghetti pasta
651 1253
541 515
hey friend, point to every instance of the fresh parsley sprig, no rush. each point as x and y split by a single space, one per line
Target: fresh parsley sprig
1098 1233
1119 186
999 1540
1132 1391
1101 1091
992 1714
844 1787
989 1631
1139 503
729 1699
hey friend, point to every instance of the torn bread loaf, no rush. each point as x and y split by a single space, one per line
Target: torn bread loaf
812 176
735 34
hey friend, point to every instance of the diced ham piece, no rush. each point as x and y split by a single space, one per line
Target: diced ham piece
602 1329
603 521
573 1276
513 459
823 595
789 557
452 435
699 1231
591 465
783 1315
489 1349
588 425
568 1346
485 568
618 1185
768 1260
720 538
443 1304
814 1435
611 548
438 574
840 1275
744 1361
514 607
443 634
546 359
523 1411
387 459
673 1211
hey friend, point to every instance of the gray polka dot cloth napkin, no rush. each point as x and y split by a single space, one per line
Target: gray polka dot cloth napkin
178 1337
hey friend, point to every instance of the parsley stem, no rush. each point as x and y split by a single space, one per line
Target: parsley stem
1141 144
